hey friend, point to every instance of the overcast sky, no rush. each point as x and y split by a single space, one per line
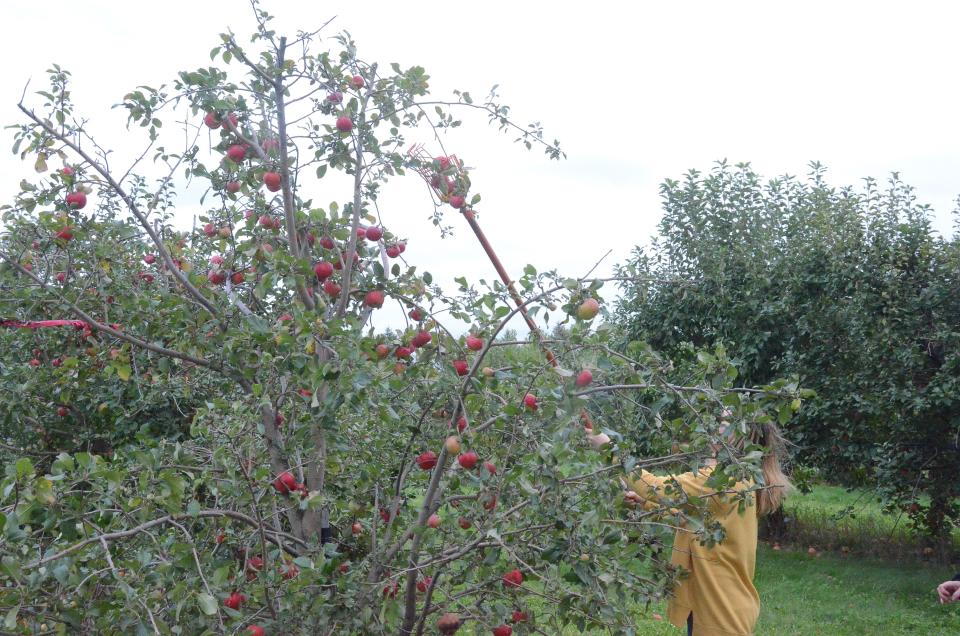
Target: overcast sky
635 92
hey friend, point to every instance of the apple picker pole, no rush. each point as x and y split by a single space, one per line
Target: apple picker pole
472 220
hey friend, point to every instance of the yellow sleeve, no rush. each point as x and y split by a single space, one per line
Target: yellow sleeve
653 488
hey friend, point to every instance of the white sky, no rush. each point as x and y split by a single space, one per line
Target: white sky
635 92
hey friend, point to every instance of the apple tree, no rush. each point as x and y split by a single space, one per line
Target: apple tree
335 479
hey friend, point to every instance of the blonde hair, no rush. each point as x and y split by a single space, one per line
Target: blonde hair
776 485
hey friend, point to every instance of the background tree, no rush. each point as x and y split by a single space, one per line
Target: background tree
849 289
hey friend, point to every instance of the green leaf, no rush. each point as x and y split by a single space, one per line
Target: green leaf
24 467
10 622
208 604
123 371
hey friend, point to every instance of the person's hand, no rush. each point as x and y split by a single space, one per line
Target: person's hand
949 591
633 499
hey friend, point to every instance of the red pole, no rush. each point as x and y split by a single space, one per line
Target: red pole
497 265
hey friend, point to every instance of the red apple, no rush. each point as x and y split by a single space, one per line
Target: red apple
416 314
402 246
464 523
518 617
373 299
391 589
64 234
216 260
289 571
449 624
272 181
344 124
67 171
452 444
63 411
462 424
457 201
212 120
233 187
76 200
474 343
344 567
374 233
57 362
327 243
490 502
221 537
422 338
270 145
217 276
434 521
491 467
237 278
502 630
236 153
254 565
149 259
357 82
356 528
403 352
444 162
285 482
61 277
235 600
513 578
588 309
468 460
230 122
584 378
361 232
34 363
382 350
427 460
209 230
335 97
256 630
461 367
331 288
530 401
323 270
393 251
424 584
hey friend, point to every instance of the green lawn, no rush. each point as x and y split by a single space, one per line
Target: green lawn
834 519
833 596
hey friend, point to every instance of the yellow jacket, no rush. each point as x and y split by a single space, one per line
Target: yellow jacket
719 590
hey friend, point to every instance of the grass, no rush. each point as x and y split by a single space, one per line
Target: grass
829 595
834 519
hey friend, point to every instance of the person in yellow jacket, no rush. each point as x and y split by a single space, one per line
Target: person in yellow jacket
718 597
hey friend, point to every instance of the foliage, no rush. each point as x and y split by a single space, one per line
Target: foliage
849 289
300 499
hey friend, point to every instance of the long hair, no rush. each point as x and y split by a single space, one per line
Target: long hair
776 485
